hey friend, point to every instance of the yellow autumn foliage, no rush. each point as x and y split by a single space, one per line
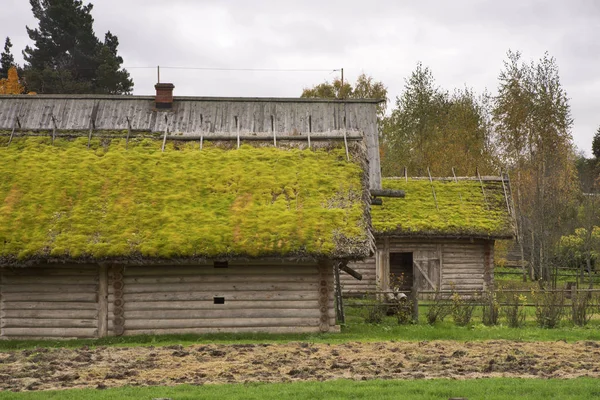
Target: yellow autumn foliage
11 85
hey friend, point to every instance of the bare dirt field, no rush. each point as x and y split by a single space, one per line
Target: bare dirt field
102 367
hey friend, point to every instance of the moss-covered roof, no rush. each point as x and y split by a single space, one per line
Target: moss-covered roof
462 209
70 203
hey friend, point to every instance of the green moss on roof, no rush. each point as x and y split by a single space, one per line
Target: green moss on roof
463 210
65 201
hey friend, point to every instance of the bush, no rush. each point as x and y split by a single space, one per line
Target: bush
462 308
549 307
514 309
375 313
438 310
491 308
583 306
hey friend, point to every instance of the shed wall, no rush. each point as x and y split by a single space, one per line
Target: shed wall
463 264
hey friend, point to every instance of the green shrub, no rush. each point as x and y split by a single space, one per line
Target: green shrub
514 308
549 307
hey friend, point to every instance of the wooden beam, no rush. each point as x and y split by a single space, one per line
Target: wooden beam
338 293
388 193
351 272
102 301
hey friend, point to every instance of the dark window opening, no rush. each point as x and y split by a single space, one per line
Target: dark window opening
218 300
401 271
221 264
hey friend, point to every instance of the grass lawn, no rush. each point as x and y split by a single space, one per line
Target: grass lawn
356 330
495 388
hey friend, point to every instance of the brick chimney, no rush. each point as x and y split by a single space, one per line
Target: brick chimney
164 95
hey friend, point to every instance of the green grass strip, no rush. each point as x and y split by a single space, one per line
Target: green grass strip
490 389
386 331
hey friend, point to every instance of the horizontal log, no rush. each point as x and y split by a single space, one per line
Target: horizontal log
34 271
218 287
388 193
463 286
214 323
58 297
210 270
465 259
351 272
257 295
464 281
48 314
50 332
222 314
201 331
50 280
47 323
229 278
47 305
264 138
46 288
209 305
451 277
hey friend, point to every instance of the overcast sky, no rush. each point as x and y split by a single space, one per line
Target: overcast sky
463 42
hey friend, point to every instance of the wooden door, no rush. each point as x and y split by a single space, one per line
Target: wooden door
426 271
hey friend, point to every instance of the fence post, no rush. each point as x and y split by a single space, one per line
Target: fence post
415 304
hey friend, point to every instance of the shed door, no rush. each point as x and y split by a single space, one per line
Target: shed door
426 270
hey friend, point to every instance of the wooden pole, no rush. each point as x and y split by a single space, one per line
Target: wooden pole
165 137
102 301
406 174
346 146
351 272
91 131
415 299
128 133
432 189
53 129
482 189
237 128
338 295
12 134
342 88
456 181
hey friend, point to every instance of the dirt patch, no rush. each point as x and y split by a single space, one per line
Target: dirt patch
103 367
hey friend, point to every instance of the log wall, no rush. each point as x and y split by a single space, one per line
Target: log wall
450 263
181 299
96 301
49 302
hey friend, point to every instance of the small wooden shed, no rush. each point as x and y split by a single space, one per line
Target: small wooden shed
119 217
440 236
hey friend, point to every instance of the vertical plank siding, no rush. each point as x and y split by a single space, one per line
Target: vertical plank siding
450 263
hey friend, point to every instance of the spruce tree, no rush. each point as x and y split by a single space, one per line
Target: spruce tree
6 59
67 57
596 144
